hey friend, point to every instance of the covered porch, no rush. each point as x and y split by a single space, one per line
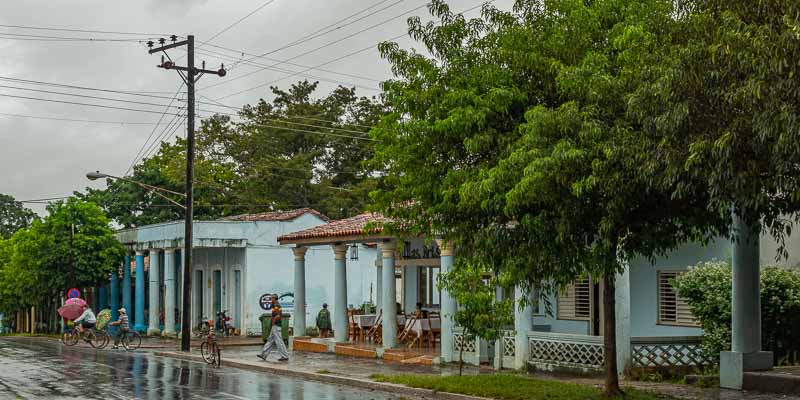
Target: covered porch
411 315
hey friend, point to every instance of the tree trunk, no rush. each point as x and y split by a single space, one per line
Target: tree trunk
612 389
461 360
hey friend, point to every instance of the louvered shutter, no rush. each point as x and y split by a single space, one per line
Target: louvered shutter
672 308
575 302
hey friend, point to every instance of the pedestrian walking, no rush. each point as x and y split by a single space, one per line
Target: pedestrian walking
275 338
324 321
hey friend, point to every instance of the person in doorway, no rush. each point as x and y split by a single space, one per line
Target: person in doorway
324 321
122 322
275 337
87 320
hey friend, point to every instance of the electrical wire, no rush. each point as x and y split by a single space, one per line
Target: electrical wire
86 96
126 92
81 30
331 61
153 131
240 20
80 104
320 48
78 120
24 36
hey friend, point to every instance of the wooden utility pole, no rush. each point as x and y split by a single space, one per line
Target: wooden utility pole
190 76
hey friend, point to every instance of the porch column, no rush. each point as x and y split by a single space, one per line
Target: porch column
448 304
379 282
389 295
340 324
101 297
169 292
523 322
622 307
126 285
745 354
139 325
300 290
180 266
114 289
154 293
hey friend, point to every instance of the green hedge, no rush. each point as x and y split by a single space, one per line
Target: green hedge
707 289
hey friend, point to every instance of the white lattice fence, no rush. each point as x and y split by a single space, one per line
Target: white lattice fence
509 344
685 351
566 350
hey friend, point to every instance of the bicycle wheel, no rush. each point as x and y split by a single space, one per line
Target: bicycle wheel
208 353
90 337
102 339
218 354
132 340
73 338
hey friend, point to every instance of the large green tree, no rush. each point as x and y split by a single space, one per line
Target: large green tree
514 139
725 115
13 216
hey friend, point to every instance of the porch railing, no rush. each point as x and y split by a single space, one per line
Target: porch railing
475 351
550 350
674 351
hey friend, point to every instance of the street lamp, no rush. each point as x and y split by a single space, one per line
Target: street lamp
187 247
93 176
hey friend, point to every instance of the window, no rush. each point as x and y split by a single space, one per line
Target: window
354 252
575 302
672 309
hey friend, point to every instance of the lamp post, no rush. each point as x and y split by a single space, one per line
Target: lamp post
185 329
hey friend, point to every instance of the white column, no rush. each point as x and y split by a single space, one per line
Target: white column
340 323
622 306
447 301
155 299
379 282
389 296
523 322
169 292
299 290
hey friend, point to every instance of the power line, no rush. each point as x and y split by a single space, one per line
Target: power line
240 20
25 36
331 61
79 104
126 92
81 30
160 118
78 120
321 47
85 96
322 31
165 134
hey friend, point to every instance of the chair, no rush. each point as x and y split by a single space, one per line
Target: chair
406 333
435 328
355 330
374 332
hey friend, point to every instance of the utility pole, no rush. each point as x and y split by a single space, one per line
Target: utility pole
191 76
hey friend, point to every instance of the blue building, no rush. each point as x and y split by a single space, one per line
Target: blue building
236 261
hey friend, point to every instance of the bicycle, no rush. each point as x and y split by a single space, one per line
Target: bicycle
73 336
131 340
210 350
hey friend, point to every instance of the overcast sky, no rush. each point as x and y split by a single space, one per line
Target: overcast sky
47 158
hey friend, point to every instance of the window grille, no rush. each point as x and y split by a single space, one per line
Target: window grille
672 308
575 302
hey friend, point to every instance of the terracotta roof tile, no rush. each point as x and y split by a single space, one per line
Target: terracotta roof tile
276 215
344 227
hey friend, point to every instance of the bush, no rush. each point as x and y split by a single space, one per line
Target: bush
707 289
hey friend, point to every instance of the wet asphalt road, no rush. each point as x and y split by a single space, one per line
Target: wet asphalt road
33 368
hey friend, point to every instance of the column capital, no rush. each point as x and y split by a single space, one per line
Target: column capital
340 251
446 247
155 250
170 250
388 248
139 253
299 253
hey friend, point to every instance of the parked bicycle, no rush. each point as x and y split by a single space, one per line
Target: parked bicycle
210 349
224 323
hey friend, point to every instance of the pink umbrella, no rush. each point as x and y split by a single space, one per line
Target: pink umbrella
71 311
76 301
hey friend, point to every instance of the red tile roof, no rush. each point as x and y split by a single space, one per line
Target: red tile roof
276 215
352 226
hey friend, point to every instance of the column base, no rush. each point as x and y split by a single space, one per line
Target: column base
153 332
140 328
732 366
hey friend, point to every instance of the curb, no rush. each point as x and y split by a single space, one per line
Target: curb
334 379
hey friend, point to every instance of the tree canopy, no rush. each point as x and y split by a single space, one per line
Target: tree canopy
299 150
13 216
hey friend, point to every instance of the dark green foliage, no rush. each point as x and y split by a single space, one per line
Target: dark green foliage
13 216
707 288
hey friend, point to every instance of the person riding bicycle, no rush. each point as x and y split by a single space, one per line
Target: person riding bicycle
122 321
87 320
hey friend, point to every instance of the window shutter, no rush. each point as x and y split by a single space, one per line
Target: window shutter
575 302
672 308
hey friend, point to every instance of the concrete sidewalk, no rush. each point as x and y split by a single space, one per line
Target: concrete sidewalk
355 371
